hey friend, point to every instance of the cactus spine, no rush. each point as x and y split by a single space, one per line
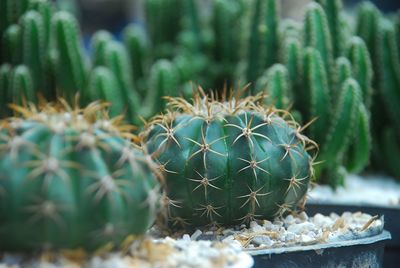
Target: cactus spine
70 178
228 162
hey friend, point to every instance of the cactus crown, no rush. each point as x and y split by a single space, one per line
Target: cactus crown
70 177
229 161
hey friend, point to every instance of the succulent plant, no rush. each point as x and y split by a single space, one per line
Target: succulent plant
229 162
70 178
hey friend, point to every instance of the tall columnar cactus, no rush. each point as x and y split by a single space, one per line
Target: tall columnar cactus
327 88
163 22
71 68
98 44
229 162
5 82
71 178
163 81
21 87
263 46
11 44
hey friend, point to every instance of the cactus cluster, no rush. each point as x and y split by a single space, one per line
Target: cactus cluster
381 35
325 83
71 178
229 162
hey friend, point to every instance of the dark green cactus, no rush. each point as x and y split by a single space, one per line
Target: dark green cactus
276 84
263 46
71 178
228 162
163 22
21 87
116 59
33 49
12 44
98 43
71 68
137 44
5 86
163 81
103 85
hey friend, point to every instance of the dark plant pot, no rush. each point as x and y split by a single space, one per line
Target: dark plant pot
392 223
364 252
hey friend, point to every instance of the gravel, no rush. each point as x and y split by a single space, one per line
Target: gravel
213 247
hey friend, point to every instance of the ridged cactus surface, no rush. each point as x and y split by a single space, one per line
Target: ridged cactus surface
229 162
71 178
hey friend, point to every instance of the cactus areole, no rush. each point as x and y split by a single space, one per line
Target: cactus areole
229 162
71 178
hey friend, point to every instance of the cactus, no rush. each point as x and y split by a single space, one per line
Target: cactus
136 43
5 85
275 83
33 48
98 43
103 85
71 69
228 162
116 59
163 81
163 21
263 41
21 86
11 44
71 178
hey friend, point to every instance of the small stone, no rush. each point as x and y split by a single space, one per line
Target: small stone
186 238
322 221
196 235
305 238
257 229
303 216
262 240
289 236
301 227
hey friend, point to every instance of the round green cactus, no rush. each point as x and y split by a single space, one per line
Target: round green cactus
229 162
71 178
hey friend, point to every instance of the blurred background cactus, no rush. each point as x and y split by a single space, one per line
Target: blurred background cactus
71 178
325 68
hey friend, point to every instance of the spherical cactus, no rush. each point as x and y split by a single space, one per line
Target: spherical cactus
71 177
228 162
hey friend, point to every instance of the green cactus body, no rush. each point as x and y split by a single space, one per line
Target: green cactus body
71 69
33 49
98 43
333 12
362 68
226 22
228 162
317 35
22 89
390 71
163 81
12 44
391 150
318 94
339 132
275 83
163 21
358 154
116 59
46 9
5 85
136 43
103 85
70 178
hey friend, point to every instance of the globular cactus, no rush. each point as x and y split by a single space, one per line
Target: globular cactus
70 178
228 162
